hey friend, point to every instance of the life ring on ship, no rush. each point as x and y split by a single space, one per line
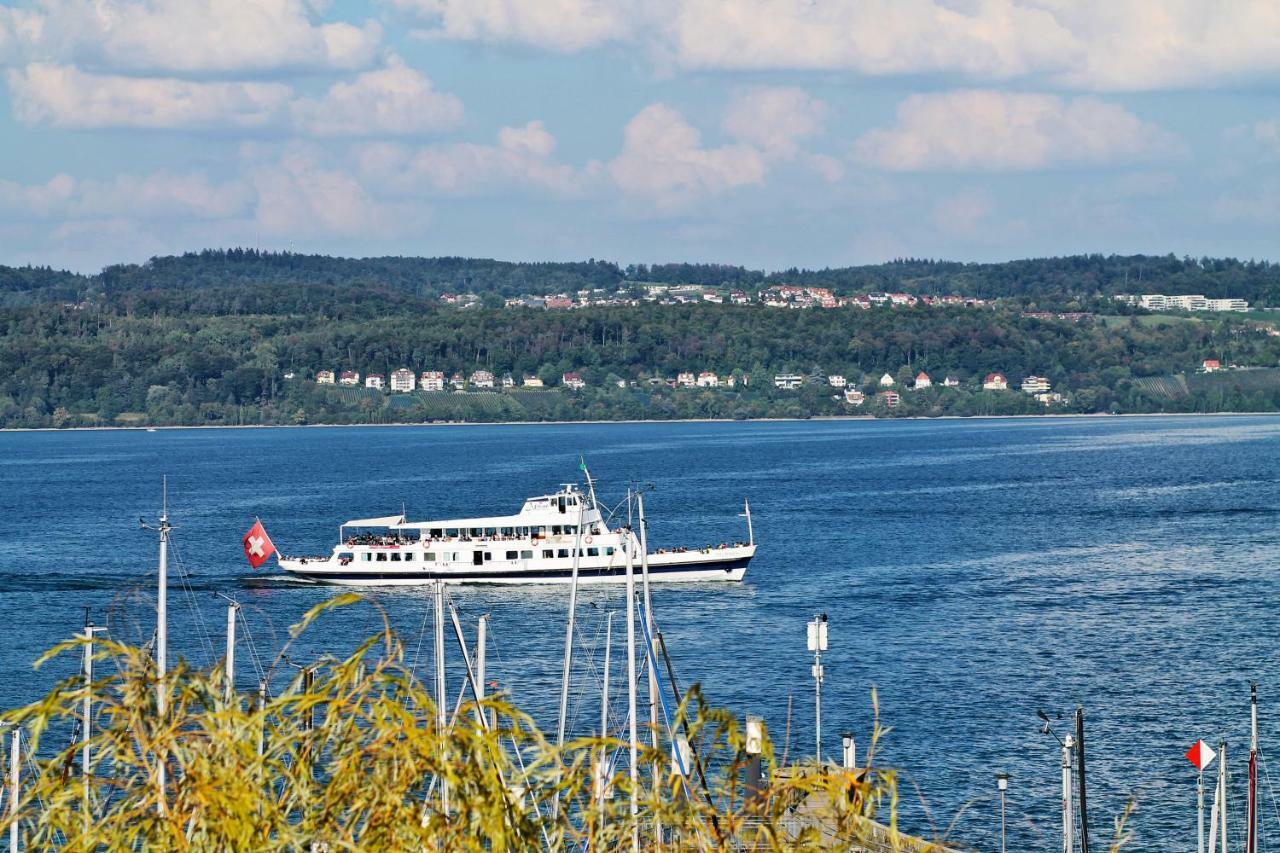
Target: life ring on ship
587 540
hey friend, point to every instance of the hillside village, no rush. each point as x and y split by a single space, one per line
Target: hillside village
776 296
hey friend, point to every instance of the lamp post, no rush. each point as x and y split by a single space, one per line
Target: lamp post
850 757
818 645
1002 782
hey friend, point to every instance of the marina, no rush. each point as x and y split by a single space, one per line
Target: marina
952 567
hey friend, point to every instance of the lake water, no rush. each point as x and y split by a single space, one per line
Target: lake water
973 571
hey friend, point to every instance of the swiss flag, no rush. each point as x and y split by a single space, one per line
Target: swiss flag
1201 754
257 545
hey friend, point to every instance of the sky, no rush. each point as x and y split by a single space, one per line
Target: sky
769 133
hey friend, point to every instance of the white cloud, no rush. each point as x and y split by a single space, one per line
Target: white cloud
521 159
199 36
300 196
775 119
996 131
558 25
1086 44
395 100
19 28
157 196
64 96
663 160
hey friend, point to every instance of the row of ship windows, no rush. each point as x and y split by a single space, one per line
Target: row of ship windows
475 556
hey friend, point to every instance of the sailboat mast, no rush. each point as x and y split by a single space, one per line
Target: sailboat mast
652 650
441 713
162 632
1068 821
602 759
1222 790
1080 784
632 734
568 633
1251 826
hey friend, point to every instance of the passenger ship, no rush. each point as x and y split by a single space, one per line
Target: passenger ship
543 543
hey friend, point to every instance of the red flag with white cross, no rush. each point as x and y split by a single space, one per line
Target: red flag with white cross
257 545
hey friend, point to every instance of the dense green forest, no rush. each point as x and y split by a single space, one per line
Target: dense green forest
312 280
209 338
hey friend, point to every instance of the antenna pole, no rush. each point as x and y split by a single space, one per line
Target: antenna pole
633 735
441 699
751 534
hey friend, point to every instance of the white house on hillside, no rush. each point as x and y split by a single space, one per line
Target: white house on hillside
1035 384
835 380
374 380
923 381
886 381
402 380
432 380
707 379
995 382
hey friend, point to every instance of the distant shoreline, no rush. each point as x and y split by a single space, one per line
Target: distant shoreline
824 418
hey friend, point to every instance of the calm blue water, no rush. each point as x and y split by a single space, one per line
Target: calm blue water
973 572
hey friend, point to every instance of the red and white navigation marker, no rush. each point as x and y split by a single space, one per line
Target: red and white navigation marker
1201 755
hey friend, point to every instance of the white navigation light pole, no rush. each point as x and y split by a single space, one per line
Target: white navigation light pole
87 757
1201 755
818 645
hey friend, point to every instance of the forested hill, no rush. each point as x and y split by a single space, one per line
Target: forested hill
243 278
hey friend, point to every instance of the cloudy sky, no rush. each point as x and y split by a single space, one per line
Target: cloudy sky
765 132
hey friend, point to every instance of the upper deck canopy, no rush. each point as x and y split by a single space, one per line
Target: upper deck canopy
384 521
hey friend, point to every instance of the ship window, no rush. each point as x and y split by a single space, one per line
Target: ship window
476 531
477 558
564 552
608 552
345 556
593 552
451 532
547 553
526 555
366 556
507 531
511 555
555 530
488 556
436 532
382 558
429 557
491 531
409 558
395 558
560 504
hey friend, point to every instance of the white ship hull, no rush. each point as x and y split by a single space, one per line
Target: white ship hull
705 566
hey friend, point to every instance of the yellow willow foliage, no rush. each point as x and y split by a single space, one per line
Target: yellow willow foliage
352 759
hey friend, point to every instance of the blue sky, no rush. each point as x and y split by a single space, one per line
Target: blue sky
772 133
